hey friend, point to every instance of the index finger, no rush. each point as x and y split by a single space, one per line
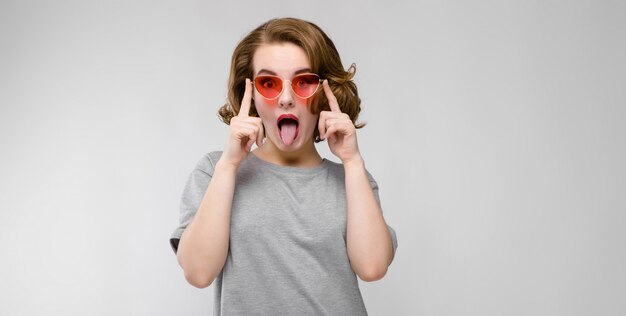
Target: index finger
244 109
332 101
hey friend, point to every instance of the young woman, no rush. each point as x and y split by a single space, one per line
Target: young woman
280 229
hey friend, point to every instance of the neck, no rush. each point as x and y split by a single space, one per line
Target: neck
303 157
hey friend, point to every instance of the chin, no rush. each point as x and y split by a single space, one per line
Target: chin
294 147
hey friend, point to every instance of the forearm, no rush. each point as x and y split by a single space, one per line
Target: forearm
368 240
203 247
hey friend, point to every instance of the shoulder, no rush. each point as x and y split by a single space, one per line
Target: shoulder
334 166
337 169
207 163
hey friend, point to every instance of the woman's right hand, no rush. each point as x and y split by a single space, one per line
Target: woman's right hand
244 131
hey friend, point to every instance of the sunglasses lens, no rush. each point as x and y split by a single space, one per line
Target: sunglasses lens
269 86
305 85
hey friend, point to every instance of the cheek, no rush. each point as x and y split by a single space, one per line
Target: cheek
265 109
311 122
266 113
313 103
260 102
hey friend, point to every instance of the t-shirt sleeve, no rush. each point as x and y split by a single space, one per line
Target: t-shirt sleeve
196 186
392 232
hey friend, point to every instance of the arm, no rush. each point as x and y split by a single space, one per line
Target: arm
368 241
203 246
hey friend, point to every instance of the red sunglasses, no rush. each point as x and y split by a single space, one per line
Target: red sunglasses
303 85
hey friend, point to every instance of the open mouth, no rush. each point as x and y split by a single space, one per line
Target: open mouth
288 127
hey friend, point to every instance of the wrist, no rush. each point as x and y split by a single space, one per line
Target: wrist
354 162
226 166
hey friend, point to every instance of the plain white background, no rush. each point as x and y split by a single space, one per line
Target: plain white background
495 131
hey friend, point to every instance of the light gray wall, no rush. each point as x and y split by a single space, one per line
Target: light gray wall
496 133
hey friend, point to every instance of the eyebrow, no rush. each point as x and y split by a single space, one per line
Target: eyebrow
297 72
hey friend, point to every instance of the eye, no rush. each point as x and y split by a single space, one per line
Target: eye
303 81
267 83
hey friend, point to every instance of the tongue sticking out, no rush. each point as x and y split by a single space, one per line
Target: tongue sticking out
288 131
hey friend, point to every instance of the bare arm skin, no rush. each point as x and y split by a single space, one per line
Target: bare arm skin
368 240
369 244
203 246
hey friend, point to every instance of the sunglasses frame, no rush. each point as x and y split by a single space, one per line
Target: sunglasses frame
319 84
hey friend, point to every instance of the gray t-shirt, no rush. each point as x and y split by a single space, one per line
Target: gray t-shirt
287 253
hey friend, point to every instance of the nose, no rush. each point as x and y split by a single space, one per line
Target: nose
286 97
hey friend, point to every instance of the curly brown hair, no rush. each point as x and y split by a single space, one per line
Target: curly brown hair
322 54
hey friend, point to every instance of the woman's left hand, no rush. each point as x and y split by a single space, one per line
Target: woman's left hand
338 129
